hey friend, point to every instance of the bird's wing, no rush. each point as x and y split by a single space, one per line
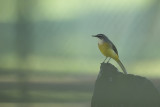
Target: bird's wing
114 48
112 45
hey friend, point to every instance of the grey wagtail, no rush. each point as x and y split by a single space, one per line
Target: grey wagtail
108 49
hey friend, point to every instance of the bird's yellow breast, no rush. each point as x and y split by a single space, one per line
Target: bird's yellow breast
107 50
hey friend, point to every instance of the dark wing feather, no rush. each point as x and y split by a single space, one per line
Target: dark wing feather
114 48
111 44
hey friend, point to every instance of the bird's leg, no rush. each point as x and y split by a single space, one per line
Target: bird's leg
108 60
104 60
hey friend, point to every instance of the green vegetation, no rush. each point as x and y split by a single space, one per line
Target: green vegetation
49 59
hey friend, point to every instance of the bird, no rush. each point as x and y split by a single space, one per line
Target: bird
108 49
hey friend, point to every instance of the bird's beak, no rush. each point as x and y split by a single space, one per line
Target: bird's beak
94 36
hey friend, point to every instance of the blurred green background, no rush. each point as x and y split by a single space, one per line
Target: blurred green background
49 59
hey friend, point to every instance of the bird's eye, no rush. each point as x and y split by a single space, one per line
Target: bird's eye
100 37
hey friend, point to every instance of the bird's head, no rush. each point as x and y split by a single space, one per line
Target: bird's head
100 36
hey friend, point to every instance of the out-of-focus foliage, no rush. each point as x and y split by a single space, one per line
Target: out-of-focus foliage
61 30
54 36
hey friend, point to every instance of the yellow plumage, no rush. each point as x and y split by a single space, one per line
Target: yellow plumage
107 51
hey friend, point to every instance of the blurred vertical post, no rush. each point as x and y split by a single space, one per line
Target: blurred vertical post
24 44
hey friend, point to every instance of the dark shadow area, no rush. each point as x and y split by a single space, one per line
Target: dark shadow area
115 89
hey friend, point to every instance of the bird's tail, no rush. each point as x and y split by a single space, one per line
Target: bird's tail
121 65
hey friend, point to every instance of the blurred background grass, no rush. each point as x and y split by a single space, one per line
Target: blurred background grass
48 57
